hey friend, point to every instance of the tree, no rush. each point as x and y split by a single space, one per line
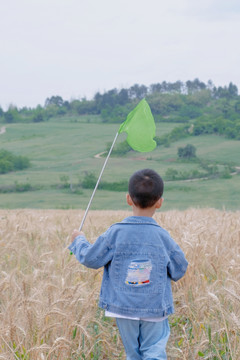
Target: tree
38 114
190 111
138 91
123 97
187 152
237 107
54 100
167 87
155 88
195 85
11 115
175 87
229 92
232 90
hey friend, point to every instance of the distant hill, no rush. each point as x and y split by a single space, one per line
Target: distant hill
212 109
65 143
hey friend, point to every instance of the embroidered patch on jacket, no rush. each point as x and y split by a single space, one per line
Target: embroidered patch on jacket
139 273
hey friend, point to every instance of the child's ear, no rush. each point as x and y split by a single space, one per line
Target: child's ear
159 203
129 200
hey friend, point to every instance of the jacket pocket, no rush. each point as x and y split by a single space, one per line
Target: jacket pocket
138 273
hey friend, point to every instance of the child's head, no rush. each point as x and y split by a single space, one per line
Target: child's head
145 188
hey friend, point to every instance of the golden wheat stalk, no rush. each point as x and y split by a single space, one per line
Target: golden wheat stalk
48 301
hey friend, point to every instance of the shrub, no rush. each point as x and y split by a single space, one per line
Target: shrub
226 173
89 181
114 186
10 162
176 134
17 187
187 152
171 174
65 181
120 149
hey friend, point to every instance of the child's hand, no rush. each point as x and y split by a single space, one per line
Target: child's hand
75 233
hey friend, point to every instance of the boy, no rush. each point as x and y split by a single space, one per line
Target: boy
140 259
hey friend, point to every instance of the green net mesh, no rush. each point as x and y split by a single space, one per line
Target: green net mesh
140 128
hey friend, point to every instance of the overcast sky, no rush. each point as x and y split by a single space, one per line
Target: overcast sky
74 48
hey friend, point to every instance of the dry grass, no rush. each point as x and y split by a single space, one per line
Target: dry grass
48 301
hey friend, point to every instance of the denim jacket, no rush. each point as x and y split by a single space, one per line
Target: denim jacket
140 259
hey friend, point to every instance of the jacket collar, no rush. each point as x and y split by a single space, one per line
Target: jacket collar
139 220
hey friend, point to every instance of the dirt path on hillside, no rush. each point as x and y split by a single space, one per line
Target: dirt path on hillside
99 156
237 169
2 130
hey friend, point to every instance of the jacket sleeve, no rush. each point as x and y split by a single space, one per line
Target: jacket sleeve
92 255
177 264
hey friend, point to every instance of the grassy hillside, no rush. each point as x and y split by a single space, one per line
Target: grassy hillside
62 150
48 307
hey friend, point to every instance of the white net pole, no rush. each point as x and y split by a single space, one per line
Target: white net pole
99 178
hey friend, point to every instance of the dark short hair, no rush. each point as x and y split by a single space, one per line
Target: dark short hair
145 188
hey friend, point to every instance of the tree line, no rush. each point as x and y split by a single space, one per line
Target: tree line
179 101
207 108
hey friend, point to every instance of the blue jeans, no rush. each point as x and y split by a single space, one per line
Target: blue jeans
144 340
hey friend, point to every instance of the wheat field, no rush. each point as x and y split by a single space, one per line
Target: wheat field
48 301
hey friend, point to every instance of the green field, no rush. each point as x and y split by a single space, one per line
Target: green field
67 147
